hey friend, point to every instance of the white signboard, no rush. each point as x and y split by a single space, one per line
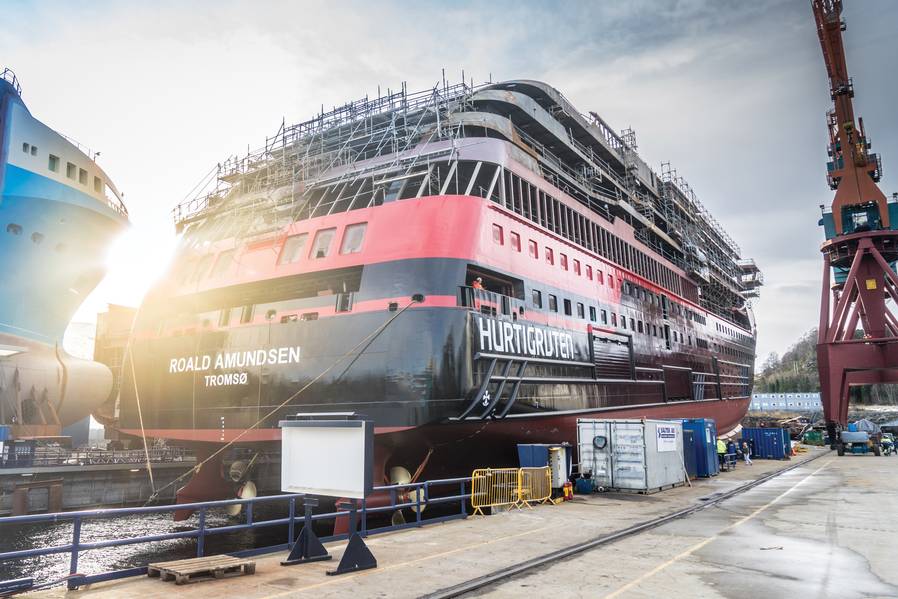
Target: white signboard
667 437
327 454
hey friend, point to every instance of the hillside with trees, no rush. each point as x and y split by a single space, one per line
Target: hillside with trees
796 372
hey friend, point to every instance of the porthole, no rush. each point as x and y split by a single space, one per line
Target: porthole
14 229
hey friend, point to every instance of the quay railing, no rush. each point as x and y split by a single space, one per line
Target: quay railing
416 496
43 457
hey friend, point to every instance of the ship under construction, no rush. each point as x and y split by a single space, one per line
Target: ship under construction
468 266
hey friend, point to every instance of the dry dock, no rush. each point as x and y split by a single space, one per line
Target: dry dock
822 529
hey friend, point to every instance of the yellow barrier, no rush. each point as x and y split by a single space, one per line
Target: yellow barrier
535 485
494 487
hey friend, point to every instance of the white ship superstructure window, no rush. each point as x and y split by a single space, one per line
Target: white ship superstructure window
321 247
293 248
71 171
98 185
353 238
53 163
34 150
26 147
82 176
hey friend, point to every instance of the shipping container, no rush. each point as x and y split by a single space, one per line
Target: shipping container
637 455
5 433
769 443
705 435
689 453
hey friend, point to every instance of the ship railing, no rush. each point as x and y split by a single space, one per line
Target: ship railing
414 496
490 303
10 77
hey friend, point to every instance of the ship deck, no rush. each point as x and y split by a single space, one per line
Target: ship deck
790 530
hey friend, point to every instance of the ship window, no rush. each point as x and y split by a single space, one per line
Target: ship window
639 326
498 238
567 307
592 313
563 260
37 237
323 239
613 319
53 163
225 317
604 317
353 238
34 150
632 324
589 272
515 242
14 229
82 176
26 147
553 303
534 250
537 298
98 185
71 171
293 248
246 315
581 312
600 276
222 264
623 321
550 256
576 267
611 281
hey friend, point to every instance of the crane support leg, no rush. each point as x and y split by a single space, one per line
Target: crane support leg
857 342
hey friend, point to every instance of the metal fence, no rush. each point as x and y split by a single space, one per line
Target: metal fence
31 456
497 487
416 496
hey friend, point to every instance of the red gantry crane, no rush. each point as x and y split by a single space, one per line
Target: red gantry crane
858 335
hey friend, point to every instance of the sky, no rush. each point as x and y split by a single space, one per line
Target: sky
733 94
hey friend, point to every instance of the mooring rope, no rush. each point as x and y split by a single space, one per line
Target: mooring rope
364 342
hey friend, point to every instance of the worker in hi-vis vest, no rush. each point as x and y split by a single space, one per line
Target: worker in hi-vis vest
721 450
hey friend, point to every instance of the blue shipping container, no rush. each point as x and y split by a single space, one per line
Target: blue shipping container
4 433
689 453
768 443
704 431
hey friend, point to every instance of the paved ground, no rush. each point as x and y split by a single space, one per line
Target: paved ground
827 529
820 530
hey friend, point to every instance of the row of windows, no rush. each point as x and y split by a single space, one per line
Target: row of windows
72 171
524 198
731 331
291 251
549 253
606 317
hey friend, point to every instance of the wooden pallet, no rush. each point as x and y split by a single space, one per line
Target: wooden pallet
201 568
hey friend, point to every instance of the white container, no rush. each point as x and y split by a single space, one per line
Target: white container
636 455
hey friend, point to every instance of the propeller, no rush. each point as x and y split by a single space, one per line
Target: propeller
401 476
246 491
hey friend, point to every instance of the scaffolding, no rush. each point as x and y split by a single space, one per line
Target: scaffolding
369 150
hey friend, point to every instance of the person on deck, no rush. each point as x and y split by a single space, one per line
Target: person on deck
478 283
